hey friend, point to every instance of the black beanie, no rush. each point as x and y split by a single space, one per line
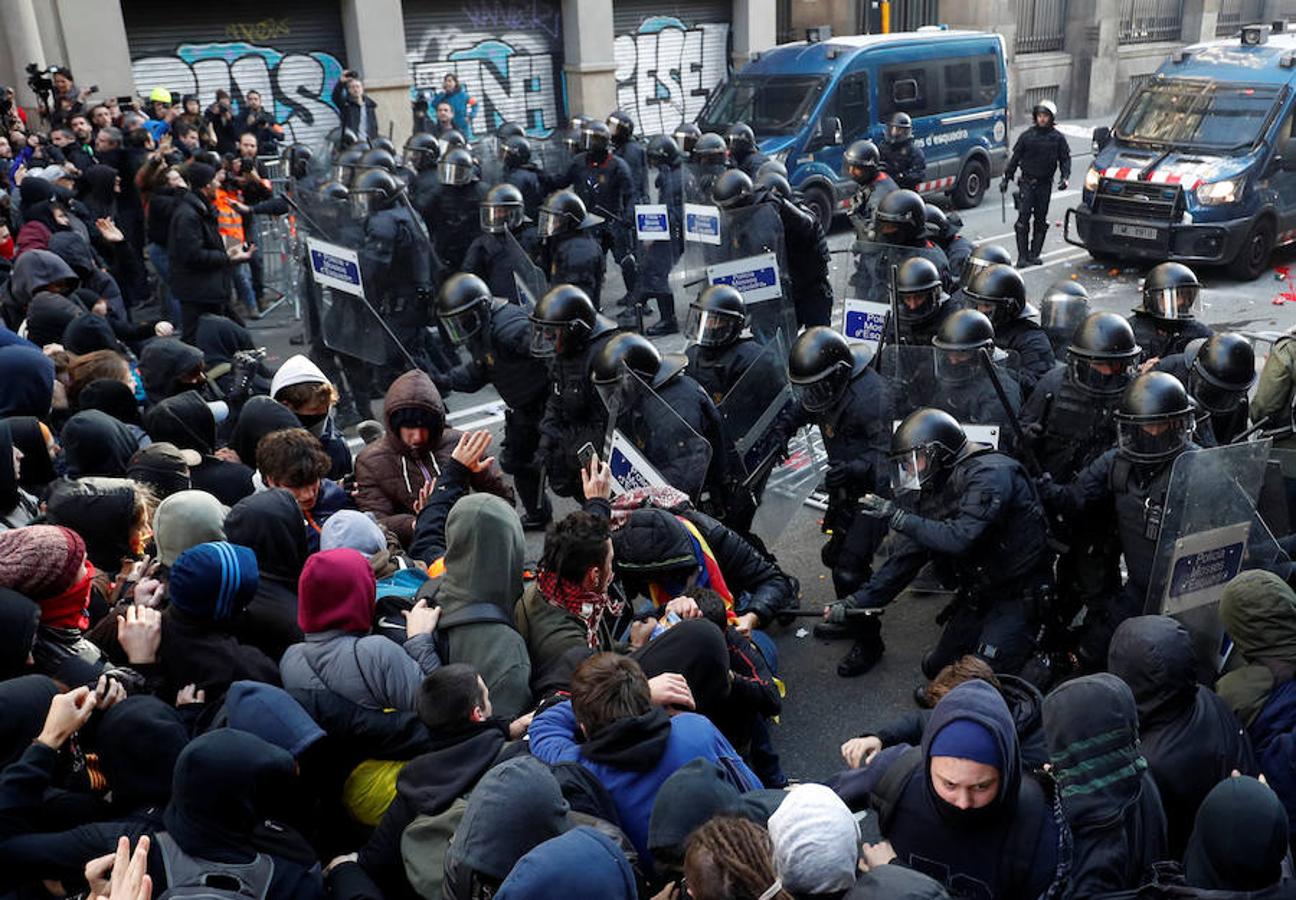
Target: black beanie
200 175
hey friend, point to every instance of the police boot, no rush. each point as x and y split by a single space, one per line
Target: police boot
864 654
529 490
1023 247
667 323
1037 245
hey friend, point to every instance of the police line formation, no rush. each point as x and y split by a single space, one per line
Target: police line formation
1073 478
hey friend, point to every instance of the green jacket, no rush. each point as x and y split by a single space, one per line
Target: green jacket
1273 395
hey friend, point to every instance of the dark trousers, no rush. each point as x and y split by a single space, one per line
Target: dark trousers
190 313
999 633
521 441
1032 204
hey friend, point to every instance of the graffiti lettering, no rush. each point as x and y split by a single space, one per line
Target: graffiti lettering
301 84
257 32
514 75
666 71
514 15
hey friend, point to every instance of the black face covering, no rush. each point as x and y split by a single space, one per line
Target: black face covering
310 421
967 819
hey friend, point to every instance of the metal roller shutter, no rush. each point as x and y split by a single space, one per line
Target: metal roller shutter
294 53
511 64
670 55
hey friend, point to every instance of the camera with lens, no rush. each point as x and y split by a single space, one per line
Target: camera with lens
39 79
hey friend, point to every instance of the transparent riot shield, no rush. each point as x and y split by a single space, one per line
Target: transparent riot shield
867 275
956 382
791 482
1210 531
648 445
486 151
529 279
552 154
760 397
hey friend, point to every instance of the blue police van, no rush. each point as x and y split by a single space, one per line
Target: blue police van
807 101
1200 166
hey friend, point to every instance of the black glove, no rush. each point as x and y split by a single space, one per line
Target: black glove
1062 184
1004 184
842 473
876 507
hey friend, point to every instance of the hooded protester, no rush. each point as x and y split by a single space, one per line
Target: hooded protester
1188 736
335 608
1240 839
1258 610
697 650
163 468
184 520
110 515
583 862
86 334
17 507
892 882
188 422
209 586
273 715
391 472
221 339
1110 800
96 284
300 385
168 367
259 417
98 191
49 316
28 379
19 618
25 701
94 443
816 843
270 523
688 799
35 272
139 740
115 399
33 438
959 809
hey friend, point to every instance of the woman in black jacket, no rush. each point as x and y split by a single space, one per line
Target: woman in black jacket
200 265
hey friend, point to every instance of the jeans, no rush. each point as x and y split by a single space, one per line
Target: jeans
157 255
243 285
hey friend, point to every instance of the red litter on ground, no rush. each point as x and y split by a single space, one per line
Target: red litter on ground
1283 273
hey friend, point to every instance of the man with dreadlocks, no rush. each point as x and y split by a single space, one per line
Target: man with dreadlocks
730 856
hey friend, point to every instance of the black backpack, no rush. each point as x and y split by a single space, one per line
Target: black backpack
192 878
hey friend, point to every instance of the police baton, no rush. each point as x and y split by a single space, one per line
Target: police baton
1256 429
1023 445
851 613
1003 207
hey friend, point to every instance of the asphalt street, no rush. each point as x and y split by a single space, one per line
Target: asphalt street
822 710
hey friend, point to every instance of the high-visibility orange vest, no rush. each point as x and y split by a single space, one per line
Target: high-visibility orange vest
228 219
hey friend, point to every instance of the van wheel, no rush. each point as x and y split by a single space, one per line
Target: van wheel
1253 257
971 185
817 199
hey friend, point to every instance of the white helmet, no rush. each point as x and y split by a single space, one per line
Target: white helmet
1048 106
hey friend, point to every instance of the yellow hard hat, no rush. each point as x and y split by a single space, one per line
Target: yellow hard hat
160 95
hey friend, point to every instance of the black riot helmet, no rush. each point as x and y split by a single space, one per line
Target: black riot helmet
570 138
453 139
516 152
621 127
772 165
861 162
1062 308
341 138
820 366
732 190
900 128
405 175
983 256
938 224
741 139
333 192
378 158
1170 293
373 190
717 317
501 210
1221 370
918 290
507 131
463 307
923 448
562 321
999 292
625 351
686 135
345 165
561 213
422 152
710 150
901 218
383 143
297 158
596 139
1102 355
662 150
1155 418
772 182
959 343
457 167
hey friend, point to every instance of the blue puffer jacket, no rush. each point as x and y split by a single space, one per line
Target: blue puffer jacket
461 103
582 862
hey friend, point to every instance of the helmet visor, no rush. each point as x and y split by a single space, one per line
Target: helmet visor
496 219
1106 377
417 157
460 327
1179 302
454 173
1212 397
361 204
957 365
919 306
910 470
1153 440
971 269
549 223
899 132
547 338
712 329
614 394
1060 318
824 392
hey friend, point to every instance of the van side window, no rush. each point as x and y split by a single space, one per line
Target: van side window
956 81
1283 139
939 86
904 89
852 106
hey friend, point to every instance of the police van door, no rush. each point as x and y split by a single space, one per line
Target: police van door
850 104
1281 177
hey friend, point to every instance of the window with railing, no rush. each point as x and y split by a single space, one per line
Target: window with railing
1041 25
1145 21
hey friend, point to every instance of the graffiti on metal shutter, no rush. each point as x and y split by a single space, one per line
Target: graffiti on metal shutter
507 54
300 83
666 70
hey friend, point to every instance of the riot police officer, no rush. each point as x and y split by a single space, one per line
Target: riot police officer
492 256
453 214
976 513
998 292
921 302
497 337
379 158
625 146
1039 152
567 330
1062 308
742 149
666 165
1167 319
962 388
1154 424
808 256
667 378
570 248
686 134
757 228
900 230
862 164
422 152
1218 371
943 231
983 256
398 266
523 174
344 167
903 161
838 390
708 160
719 353
605 184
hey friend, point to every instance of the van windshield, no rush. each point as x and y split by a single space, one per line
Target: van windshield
1207 115
770 104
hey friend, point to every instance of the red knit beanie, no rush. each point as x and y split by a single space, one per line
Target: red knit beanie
336 593
41 560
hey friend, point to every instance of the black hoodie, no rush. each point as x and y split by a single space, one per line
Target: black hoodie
102 511
19 617
49 316
260 416
1189 737
139 741
270 522
94 443
164 363
28 379
37 469
112 398
185 420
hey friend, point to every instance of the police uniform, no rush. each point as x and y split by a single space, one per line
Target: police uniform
957 250
1158 341
904 162
491 258
1038 152
1214 429
400 270
636 159
454 219
576 257
1031 343
751 163
808 259
871 278
608 190
717 369
574 414
865 201
531 182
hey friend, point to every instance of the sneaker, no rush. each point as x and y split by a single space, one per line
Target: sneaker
862 657
254 313
662 328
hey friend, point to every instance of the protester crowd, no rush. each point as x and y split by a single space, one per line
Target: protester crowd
240 659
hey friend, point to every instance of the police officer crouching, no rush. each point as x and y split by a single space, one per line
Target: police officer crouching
903 161
1218 371
1000 294
1167 318
976 512
1040 151
497 337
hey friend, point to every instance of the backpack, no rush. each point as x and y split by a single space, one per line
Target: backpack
192 878
425 844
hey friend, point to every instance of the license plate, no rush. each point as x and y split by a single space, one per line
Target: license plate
1135 231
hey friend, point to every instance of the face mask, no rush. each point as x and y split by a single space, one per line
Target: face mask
313 423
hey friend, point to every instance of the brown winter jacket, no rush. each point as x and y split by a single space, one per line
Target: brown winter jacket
388 476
